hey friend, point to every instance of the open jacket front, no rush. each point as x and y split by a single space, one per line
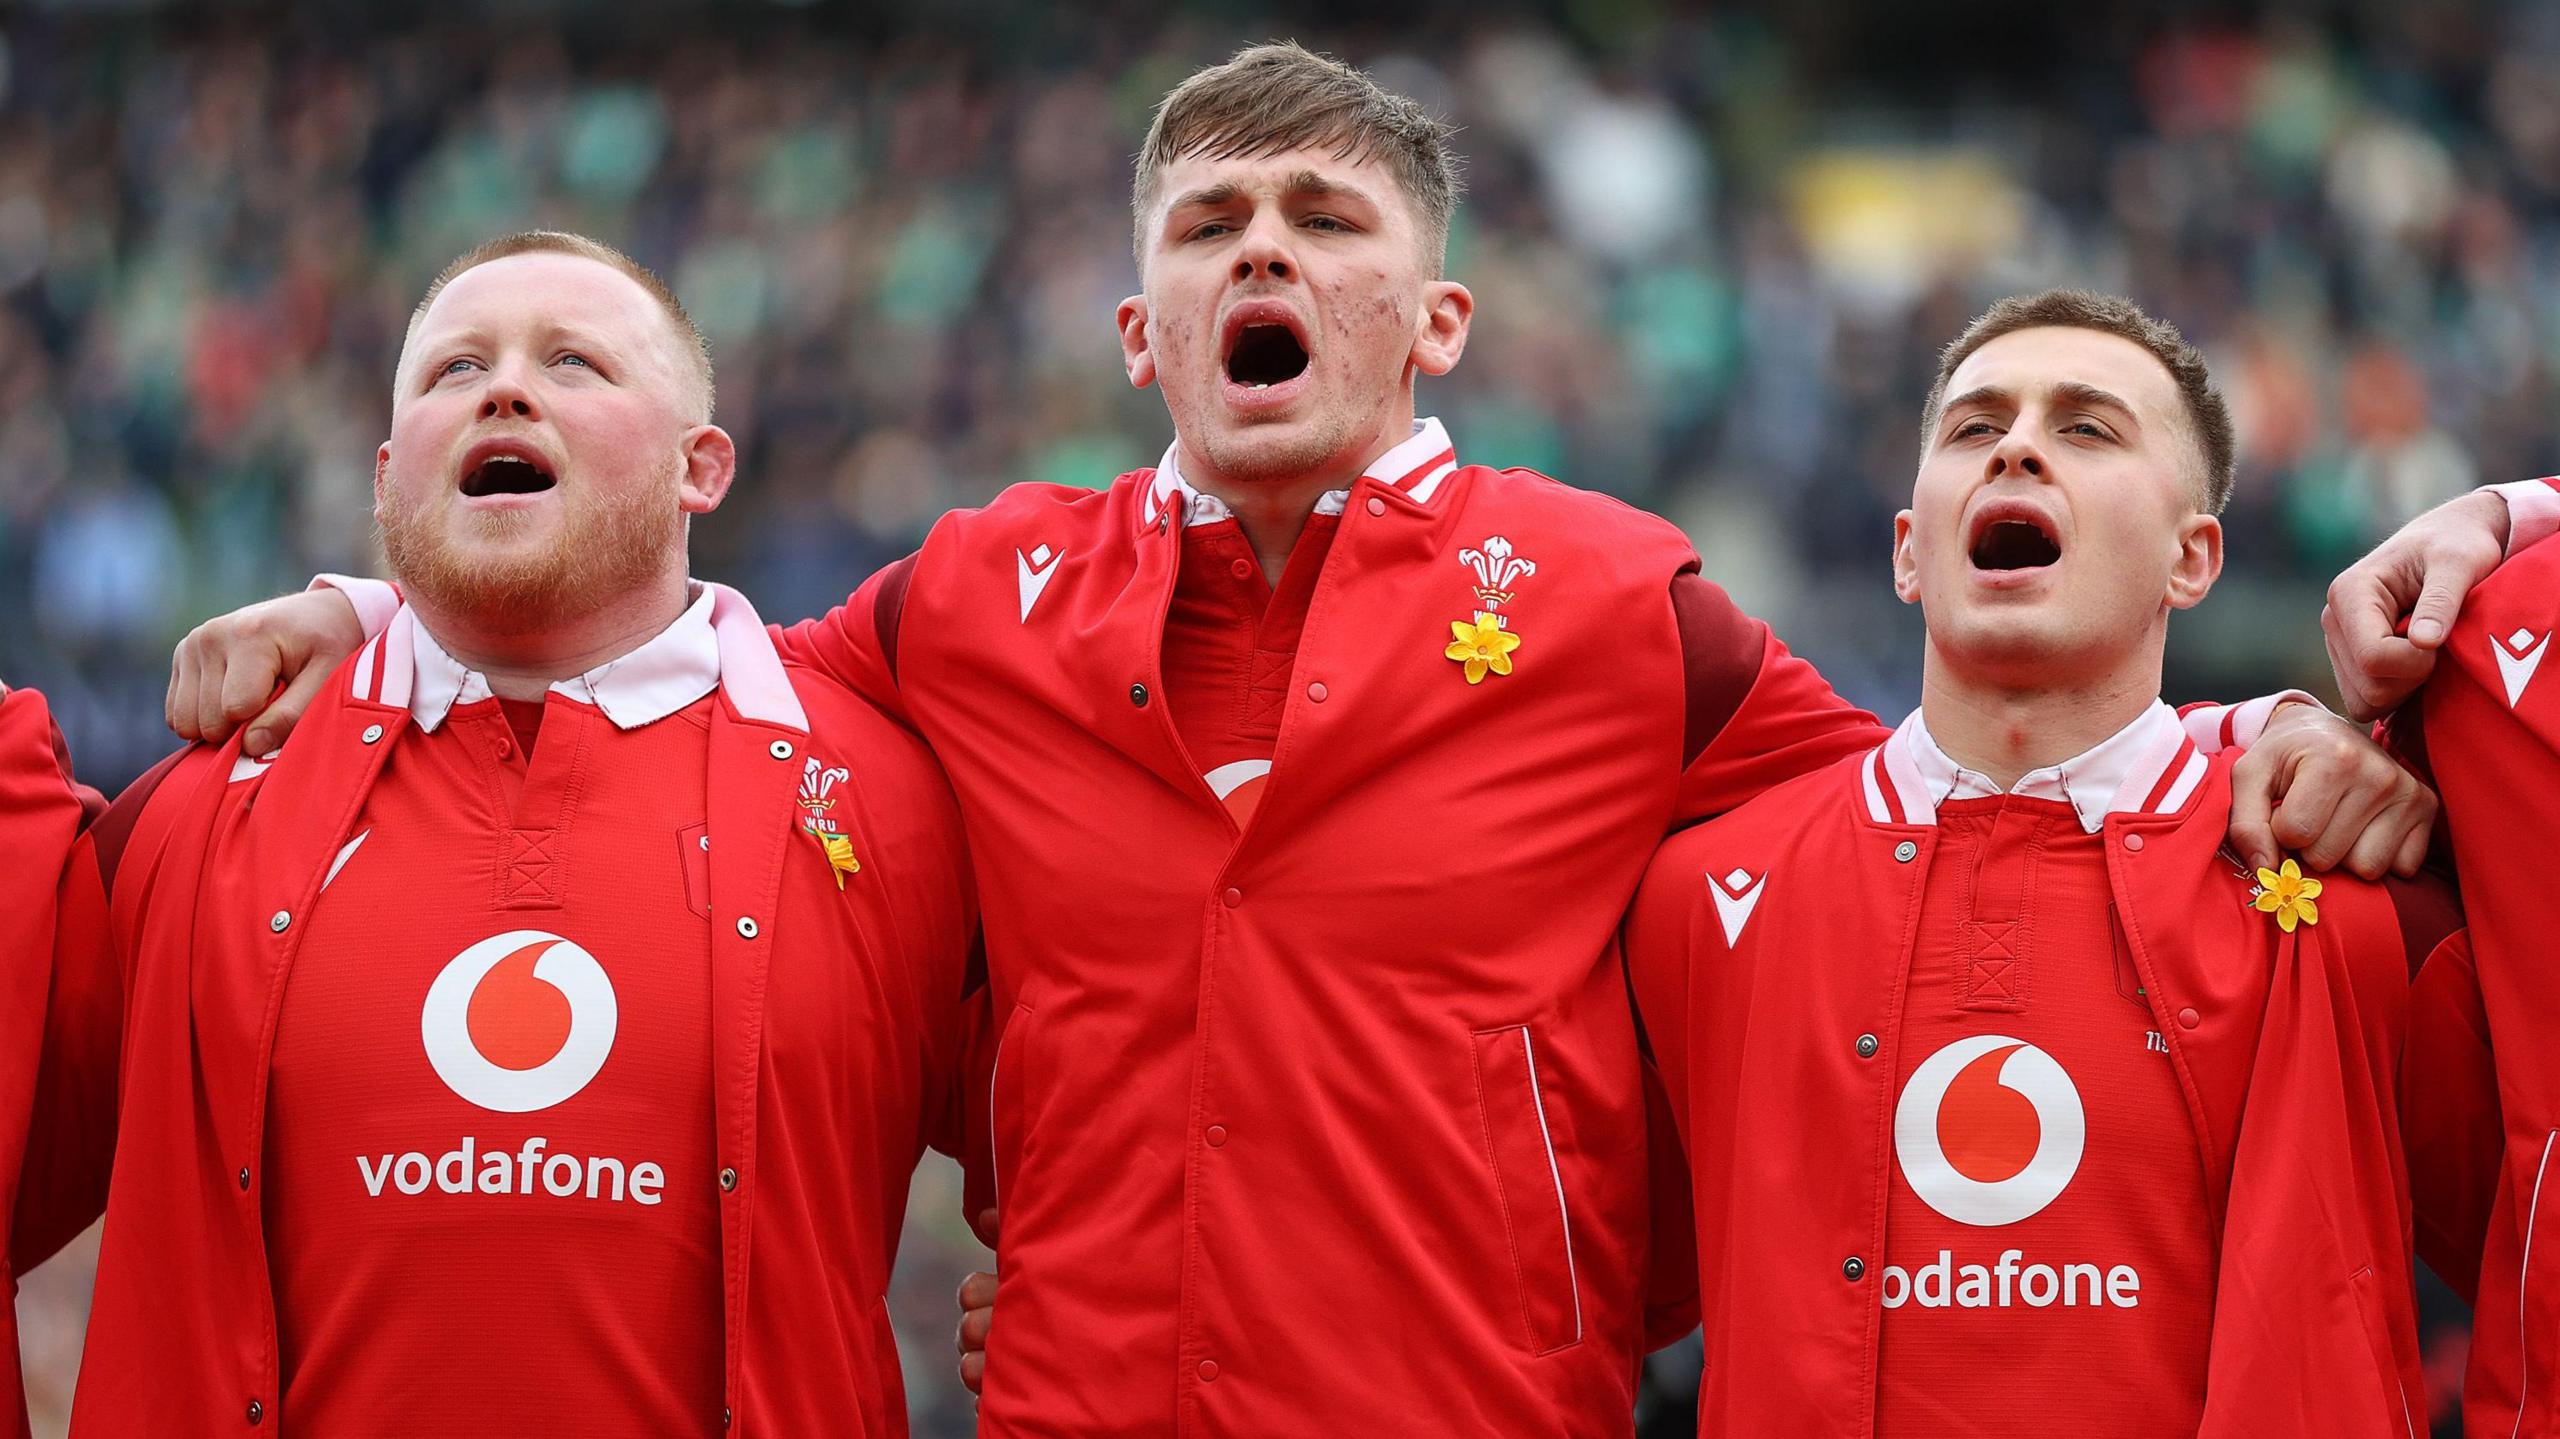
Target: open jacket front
1780 1052
211 900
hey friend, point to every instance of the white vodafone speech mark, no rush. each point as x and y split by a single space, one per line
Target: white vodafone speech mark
2062 1132
446 1024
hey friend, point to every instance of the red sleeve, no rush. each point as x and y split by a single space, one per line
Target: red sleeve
856 643
1655 947
58 986
2450 1122
1757 715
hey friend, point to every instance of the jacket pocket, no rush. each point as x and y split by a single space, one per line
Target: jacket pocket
1529 1182
2534 1376
2386 1353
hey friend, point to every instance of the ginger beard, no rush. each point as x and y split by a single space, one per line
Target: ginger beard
512 570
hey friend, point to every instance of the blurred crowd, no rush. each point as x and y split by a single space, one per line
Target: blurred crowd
1713 256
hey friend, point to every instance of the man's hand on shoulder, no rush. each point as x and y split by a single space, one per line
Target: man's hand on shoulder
2422 573
261 665
2319 787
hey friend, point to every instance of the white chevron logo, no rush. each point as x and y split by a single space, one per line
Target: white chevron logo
1737 894
2519 655
1031 575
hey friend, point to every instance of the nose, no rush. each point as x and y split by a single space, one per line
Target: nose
508 395
2018 455
1265 251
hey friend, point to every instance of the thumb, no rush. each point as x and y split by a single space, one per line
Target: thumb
2439 604
268 730
2253 835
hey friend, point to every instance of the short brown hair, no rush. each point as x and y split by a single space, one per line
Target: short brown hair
1283 96
560 242
2207 415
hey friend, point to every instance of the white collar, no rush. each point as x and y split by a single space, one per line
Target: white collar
2150 766
717 643
1417 466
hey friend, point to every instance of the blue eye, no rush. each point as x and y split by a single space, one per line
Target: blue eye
581 360
451 365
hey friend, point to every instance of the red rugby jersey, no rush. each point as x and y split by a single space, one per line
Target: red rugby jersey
2047 1204
495 1050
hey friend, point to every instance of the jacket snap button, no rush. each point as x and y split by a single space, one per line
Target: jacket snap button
372 732
780 749
1904 852
1853 1268
1243 569
725 1417
281 922
1377 506
728 1180
1866 1046
244 1176
1317 692
1138 696
1217 1135
1208 1370
2133 842
257 1411
2189 1019
1233 897
746 927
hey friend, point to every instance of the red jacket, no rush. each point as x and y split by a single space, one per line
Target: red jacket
2286 1049
49 902
2487 727
1334 1125
182 1334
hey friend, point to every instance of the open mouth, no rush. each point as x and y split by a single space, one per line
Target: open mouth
1265 355
506 475
2014 544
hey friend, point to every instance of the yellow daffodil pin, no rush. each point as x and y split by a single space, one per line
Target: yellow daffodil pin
2288 895
1484 646
839 851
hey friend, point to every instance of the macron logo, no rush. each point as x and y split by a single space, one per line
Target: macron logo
1031 575
2519 655
1737 894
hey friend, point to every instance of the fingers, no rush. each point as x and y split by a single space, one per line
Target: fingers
2359 806
2412 856
247 682
281 714
2252 805
977 1322
2377 852
2316 786
986 1226
179 708
2439 604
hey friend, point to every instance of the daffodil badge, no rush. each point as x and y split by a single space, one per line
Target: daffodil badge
2288 894
817 797
1483 644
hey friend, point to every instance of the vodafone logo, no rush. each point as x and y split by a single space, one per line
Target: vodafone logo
1989 1130
519 1021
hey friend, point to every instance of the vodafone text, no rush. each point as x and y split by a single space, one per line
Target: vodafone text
1946 1284
526 1170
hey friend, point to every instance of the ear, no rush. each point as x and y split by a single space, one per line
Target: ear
1135 356
1441 336
710 464
381 474
2198 563
1906 565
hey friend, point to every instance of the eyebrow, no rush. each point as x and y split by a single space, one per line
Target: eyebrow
1304 183
2076 394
